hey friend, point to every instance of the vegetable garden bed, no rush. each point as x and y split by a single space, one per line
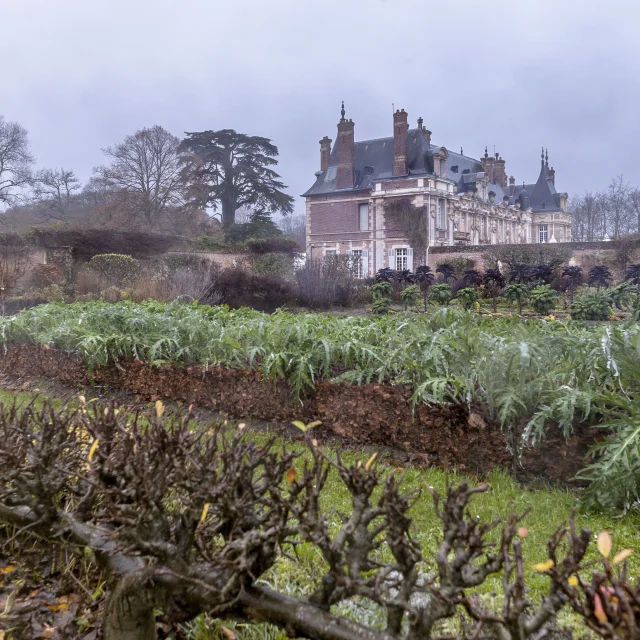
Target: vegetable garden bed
453 385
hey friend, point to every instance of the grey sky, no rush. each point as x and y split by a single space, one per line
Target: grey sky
82 74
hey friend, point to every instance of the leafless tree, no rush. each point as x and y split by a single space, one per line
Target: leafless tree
634 204
186 520
617 205
55 192
15 161
141 185
295 226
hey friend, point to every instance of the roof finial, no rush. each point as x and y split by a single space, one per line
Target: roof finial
542 156
461 151
546 157
342 110
486 152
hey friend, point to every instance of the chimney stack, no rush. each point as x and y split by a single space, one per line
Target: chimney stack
500 173
512 186
400 127
488 165
420 121
345 144
325 152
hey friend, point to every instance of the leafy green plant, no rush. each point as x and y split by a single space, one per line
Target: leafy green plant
468 297
447 270
441 293
599 276
424 277
381 292
518 293
623 295
632 274
529 376
543 299
381 306
591 304
494 282
471 278
409 296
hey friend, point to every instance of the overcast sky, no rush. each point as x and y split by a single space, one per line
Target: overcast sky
82 74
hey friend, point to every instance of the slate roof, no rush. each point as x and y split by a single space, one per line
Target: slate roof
373 161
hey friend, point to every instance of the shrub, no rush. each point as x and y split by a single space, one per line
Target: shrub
274 244
239 288
526 254
441 293
201 540
42 275
591 304
517 293
114 268
260 226
543 299
323 283
277 264
468 297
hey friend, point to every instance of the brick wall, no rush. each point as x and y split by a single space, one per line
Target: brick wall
407 183
336 217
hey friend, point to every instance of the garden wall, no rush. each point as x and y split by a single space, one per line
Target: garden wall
584 254
374 414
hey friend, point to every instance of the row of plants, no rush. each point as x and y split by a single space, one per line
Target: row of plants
592 300
530 375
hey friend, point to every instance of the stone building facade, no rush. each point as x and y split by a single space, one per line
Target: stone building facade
468 201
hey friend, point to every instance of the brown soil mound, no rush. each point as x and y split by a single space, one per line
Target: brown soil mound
369 414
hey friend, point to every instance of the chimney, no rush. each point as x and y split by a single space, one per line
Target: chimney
500 173
345 141
488 164
325 152
512 186
400 127
427 134
552 176
420 121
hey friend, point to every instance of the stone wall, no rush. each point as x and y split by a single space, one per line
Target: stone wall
583 254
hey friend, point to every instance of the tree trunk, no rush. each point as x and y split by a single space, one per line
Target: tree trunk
129 609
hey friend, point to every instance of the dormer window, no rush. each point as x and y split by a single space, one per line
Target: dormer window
492 196
454 168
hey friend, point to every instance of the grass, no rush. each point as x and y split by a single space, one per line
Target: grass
550 508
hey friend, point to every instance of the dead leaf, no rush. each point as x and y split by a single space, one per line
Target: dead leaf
227 633
604 544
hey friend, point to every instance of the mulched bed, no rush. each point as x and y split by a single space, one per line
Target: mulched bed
372 414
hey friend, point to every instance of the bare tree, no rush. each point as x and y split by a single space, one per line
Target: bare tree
55 192
14 261
634 204
295 226
142 183
15 161
617 204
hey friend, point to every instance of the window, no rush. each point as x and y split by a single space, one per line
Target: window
402 259
364 217
330 252
543 233
442 213
356 262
